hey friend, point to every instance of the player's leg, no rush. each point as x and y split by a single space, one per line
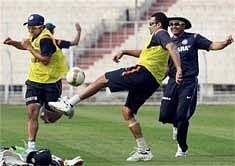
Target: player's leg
168 103
134 101
168 106
33 111
66 105
113 80
33 105
52 93
142 152
186 107
48 115
141 86
42 114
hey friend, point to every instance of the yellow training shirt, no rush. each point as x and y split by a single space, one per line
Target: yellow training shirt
155 60
51 72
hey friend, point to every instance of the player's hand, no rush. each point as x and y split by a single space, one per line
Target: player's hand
178 76
229 40
117 56
78 27
26 44
7 41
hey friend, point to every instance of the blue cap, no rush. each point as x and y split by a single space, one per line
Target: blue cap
35 20
50 27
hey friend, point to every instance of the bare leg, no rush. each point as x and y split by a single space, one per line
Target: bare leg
133 125
94 87
66 105
33 112
142 152
51 116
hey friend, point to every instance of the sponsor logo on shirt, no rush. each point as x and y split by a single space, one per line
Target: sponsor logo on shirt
184 48
185 42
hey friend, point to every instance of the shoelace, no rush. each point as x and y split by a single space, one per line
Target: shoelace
137 150
64 100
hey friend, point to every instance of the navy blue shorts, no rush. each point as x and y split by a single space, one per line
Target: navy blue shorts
178 101
137 80
42 93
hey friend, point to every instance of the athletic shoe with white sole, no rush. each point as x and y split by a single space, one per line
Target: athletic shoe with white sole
63 105
140 155
180 153
174 133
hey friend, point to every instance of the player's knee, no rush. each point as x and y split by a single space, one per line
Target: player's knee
33 110
129 117
102 81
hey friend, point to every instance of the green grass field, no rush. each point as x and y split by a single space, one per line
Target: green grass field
99 135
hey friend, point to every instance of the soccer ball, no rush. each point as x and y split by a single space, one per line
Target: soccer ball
75 76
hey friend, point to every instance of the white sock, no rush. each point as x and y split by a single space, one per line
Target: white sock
174 129
141 144
74 100
31 145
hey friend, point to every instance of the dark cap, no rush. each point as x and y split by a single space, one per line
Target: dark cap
50 27
186 21
35 20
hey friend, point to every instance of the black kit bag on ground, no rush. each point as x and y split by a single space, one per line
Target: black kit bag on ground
40 157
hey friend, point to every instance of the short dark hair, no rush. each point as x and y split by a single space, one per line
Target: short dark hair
50 27
162 18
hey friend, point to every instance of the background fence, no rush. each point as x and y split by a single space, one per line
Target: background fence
108 29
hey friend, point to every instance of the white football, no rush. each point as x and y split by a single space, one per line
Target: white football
75 76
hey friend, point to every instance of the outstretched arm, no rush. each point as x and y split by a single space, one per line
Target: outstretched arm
171 47
221 45
77 37
27 45
14 43
119 55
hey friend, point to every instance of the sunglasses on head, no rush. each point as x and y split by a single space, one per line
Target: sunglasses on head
176 23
